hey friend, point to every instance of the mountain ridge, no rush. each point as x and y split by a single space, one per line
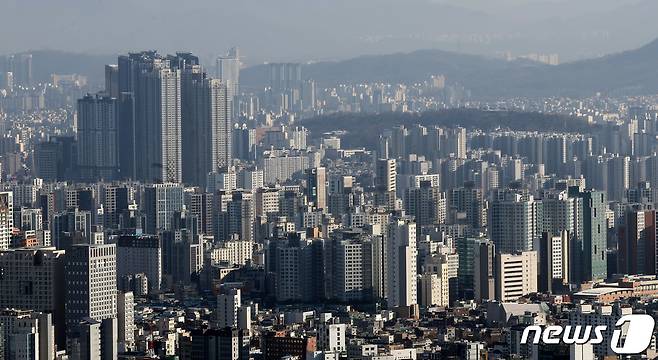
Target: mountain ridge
631 72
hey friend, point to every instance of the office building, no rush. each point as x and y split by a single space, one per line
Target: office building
516 275
91 284
161 201
140 255
231 313
71 227
215 344
34 279
94 339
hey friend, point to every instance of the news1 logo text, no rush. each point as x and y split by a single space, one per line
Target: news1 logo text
634 340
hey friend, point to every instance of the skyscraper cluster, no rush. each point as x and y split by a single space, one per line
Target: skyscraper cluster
160 119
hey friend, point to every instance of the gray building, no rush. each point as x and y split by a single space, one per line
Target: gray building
161 201
97 138
140 255
150 132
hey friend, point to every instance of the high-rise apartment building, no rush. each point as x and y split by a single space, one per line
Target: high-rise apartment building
426 203
6 218
316 187
637 242
354 269
112 81
469 201
151 127
116 200
513 222
20 66
236 216
285 76
228 71
484 271
200 205
553 261
98 157
401 286
386 182
589 250
206 121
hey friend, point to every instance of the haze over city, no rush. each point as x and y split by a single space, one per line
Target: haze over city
298 30
328 180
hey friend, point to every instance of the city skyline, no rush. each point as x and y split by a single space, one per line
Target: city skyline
239 201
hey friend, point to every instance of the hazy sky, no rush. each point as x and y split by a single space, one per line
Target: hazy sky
328 29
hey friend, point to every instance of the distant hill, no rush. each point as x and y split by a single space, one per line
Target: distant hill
629 72
632 72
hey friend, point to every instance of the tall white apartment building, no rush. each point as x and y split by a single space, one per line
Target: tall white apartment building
126 321
401 256
6 218
228 305
354 270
